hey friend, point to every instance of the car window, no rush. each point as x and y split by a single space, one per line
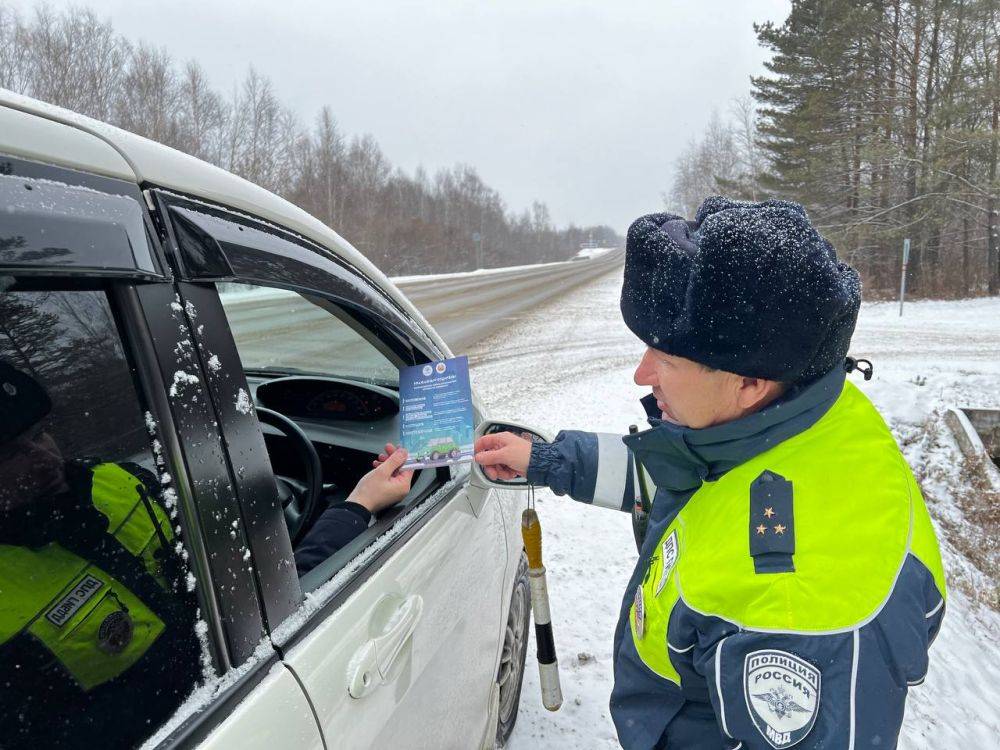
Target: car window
98 642
280 332
287 332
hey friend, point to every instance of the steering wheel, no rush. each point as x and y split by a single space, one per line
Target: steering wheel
299 500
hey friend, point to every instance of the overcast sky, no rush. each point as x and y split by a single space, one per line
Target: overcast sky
582 104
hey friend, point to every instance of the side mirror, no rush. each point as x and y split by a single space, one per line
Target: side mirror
489 427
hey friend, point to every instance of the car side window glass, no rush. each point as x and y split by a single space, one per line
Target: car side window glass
98 642
281 331
309 360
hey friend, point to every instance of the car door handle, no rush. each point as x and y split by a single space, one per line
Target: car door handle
371 665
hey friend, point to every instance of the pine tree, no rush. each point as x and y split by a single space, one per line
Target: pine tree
881 117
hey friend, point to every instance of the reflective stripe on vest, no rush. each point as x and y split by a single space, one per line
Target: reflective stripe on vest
857 514
64 601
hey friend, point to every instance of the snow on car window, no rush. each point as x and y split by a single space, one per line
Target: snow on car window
209 690
243 404
181 379
85 456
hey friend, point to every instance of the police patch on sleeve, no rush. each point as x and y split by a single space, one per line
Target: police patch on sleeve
782 695
669 557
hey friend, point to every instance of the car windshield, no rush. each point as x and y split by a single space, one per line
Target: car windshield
285 333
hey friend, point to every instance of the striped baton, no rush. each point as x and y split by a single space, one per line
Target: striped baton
548 667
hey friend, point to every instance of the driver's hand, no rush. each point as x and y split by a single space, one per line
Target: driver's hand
385 485
503 455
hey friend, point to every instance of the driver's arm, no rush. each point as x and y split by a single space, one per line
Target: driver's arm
333 530
380 488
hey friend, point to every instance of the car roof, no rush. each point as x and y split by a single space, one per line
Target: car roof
68 139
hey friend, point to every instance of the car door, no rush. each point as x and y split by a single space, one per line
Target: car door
253 700
397 640
129 621
407 657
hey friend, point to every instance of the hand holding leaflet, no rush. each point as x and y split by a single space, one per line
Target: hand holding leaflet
503 455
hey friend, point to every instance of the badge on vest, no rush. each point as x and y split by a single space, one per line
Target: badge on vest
782 695
639 614
772 524
668 554
115 632
68 606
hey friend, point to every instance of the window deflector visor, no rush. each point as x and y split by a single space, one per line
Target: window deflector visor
46 223
254 251
217 245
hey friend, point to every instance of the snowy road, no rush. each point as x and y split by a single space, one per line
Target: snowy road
275 328
569 365
466 307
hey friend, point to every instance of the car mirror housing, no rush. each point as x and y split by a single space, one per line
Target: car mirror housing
489 427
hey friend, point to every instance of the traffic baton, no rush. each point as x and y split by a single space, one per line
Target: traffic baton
548 666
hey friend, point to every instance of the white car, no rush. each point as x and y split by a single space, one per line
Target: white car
150 305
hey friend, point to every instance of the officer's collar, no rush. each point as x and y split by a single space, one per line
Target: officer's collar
680 458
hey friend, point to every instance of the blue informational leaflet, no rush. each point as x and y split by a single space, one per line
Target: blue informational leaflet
435 407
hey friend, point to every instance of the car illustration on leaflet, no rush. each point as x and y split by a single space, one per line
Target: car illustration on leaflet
440 448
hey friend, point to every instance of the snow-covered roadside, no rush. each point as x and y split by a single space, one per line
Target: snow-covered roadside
570 365
467 274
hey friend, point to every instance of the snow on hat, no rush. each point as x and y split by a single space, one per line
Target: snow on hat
750 288
23 402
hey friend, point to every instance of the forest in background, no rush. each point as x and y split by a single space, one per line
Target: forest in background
419 223
883 118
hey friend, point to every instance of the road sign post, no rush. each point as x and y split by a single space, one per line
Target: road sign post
478 239
902 276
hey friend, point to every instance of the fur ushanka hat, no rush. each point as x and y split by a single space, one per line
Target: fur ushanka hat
750 288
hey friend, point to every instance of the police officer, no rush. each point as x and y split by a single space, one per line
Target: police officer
789 581
92 614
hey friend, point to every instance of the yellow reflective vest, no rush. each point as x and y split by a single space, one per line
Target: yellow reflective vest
88 620
858 515
792 586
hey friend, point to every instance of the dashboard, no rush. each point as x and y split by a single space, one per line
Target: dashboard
348 422
327 399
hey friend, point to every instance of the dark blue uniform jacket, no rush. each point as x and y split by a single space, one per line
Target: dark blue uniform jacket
650 712
335 528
